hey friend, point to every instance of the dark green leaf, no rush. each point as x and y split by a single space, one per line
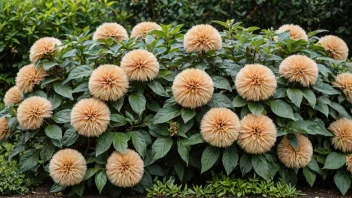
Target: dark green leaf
282 109
309 175
63 116
209 157
103 143
137 102
238 102
295 95
187 114
230 159
63 90
165 114
161 147
120 142
100 180
335 160
53 132
139 143
261 166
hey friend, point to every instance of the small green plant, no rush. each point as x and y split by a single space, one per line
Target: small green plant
222 185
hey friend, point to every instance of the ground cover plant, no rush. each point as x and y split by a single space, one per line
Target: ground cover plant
109 111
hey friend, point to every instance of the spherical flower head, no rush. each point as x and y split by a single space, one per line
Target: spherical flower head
220 127
296 32
257 134
90 117
4 129
33 111
255 82
335 47
202 38
192 88
108 82
140 65
67 167
110 30
125 170
143 28
343 134
349 162
43 47
299 69
293 158
344 82
13 96
29 76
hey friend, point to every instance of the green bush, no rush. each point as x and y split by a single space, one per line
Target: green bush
166 135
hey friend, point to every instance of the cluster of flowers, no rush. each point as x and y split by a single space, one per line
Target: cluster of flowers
191 88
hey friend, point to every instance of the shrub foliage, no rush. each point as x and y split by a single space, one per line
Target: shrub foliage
167 136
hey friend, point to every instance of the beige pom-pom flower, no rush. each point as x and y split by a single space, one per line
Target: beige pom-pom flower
90 117
29 76
336 47
220 127
344 82
140 65
32 112
143 28
255 82
108 82
13 96
296 32
193 88
125 170
299 69
43 47
257 134
293 158
67 167
349 162
110 30
342 130
4 129
202 38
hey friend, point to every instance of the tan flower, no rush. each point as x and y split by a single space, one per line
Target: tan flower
32 112
296 32
343 134
220 127
336 47
13 96
193 88
67 167
255 82
344 82
143 28
110 30
257 134
349 162
293 158
140 65
202 38
125 170
4 129
108 82
28 77
43 47
299 69
90 117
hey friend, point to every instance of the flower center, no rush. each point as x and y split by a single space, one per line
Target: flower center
221 126
125 166
91 116
67 166
108 81
256 80
193 86
202 39
140 64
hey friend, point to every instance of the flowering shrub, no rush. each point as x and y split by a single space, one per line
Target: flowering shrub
113 112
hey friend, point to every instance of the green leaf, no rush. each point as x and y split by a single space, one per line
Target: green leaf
137 102
79 72
230 159
120 142
165 114
49 65
335 160
53 132
322 107
78 189
309 96
313 165
187 114
261 166
161 147
245 163
69 137
293 140
340 109
281 108
342 181
100 180
139 142
325 88
55 100
183 150
81 88
157 88
28 160
118 119
63 90
309 175
295 95
118 104
57 188
256 108
238 102
70 53
193 140
220 100
209 156
91 172
47 152
63 116
221 83
103 143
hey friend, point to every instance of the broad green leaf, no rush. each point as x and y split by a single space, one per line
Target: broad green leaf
187 114
183 150
49 65
118 120
165 114
325 88
100 180
53 132
293 140
47 152
245 163
295 95
70 137
120 142
57 188
256 107
161 147
63 90
79 189
63 116
309 96
28 160
230 159
220 100
309 175
137 102
157 88
221 83
342 180
103 143
118 104
209 157
79 72
55 100
335 160
139 143
238 102
282 109
260 166
90 173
